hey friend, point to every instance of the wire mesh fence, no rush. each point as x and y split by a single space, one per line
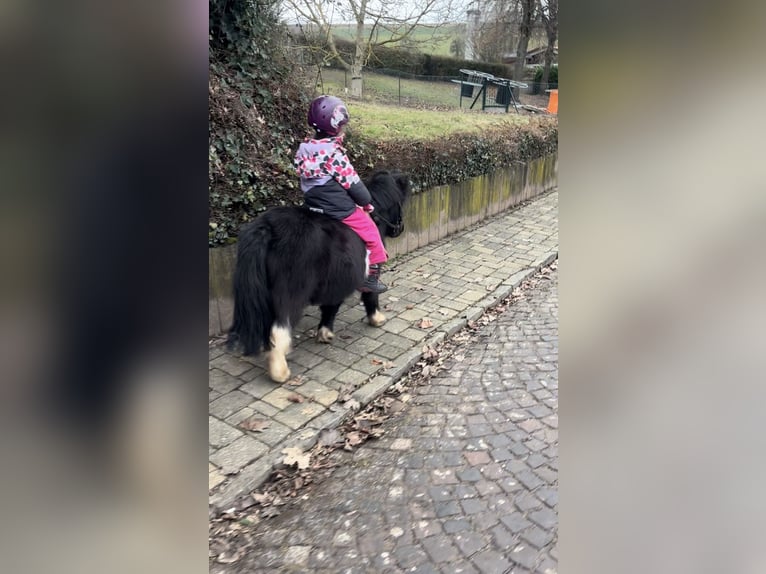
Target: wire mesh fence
394 87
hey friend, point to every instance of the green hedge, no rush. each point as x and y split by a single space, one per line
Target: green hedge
428 162
416 63
553 79
458 156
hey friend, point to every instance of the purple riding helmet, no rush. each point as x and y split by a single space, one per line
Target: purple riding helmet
328 114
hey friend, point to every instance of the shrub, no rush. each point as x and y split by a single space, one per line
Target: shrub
256 116
458 156
553 79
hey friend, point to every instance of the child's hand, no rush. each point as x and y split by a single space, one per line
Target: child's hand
368 208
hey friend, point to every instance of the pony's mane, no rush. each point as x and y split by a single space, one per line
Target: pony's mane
388 188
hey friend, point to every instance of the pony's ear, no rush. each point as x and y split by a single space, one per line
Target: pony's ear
404 183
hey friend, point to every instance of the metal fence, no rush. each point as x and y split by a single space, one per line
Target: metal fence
395 87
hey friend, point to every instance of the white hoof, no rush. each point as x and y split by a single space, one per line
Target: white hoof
376 319
324 335
278 369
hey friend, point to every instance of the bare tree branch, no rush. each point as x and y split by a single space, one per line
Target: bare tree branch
398 18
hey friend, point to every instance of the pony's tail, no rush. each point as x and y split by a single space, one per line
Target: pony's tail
253 308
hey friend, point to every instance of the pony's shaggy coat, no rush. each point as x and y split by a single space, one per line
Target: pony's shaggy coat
291 257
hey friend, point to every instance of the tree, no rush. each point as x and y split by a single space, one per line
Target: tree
549 12
494 28
528 9
492 34
395 20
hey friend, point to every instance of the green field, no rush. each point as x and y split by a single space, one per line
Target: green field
384 122
393 90
404 92
427 39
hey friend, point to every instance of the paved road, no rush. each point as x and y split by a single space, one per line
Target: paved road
464 480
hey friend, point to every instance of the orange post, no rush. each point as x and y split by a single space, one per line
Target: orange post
553 102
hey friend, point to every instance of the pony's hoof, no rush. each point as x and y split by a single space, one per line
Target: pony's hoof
279 375
376 319
279 371
324 335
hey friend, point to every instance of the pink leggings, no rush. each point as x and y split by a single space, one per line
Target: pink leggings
361 222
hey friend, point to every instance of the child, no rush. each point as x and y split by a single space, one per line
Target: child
331 185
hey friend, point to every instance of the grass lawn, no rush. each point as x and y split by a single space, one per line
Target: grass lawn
388 89
427 109
387 122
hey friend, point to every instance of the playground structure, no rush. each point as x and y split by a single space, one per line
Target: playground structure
494 92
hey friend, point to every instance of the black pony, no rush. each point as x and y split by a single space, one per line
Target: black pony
290 257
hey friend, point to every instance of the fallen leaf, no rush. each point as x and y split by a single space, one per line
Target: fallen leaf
408 307
295 398
394 299
294 455
352 404
261 498
376 362
445 311
255 424
429 352
354 438
398 387
345 336
295 381
425 323
396 406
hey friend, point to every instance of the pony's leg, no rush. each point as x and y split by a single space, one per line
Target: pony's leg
280 345
326 323
374 316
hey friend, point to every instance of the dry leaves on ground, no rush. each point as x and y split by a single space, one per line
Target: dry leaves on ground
352 404
294 455
255 424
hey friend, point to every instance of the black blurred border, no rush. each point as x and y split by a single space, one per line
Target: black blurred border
662 223
103 319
